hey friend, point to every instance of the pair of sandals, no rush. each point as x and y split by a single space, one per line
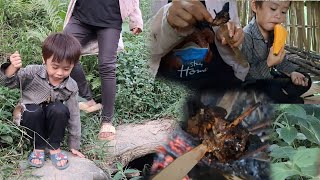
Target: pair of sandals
55 158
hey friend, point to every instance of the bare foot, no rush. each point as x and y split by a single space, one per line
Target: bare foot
61 162
37 161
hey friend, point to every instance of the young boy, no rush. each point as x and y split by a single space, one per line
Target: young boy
50 98
175 22
257 47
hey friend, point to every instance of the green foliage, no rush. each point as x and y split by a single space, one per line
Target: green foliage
12 142
23 26
122 173
297 153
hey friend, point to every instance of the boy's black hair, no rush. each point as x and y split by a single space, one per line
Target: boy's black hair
259 3
61 47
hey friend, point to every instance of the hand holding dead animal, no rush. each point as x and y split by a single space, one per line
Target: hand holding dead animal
182 15
15 65
15 60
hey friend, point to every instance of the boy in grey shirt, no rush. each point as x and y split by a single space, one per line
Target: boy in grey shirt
49 98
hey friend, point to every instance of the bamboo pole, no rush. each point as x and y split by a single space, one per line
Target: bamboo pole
300 21
317 29
307 25
292 23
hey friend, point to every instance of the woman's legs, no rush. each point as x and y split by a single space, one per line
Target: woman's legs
108 43
84 33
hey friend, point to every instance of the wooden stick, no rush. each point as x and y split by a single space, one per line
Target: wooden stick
244 115
302 53
239 56
306 66
180 167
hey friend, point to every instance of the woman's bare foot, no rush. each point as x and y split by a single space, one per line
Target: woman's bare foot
61 162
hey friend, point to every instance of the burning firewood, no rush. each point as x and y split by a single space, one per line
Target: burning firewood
226 141
222 141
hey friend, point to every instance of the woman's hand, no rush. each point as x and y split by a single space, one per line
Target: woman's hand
77 153
182 15
273 59
136 31
299 79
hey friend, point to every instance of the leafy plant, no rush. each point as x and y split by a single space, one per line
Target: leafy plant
296 151
123 172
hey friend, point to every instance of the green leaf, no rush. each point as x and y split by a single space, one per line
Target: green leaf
136 178
131 171
309 128
119 166
288 134
301 136
295 110
293 120
118 176
280 171
7 139
283 152
307 160
315 126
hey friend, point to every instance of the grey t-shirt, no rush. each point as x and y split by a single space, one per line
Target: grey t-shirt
100 13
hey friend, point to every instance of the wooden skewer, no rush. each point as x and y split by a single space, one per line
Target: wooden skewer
244 115
180 167
239 56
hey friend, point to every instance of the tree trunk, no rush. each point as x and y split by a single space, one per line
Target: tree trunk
137 140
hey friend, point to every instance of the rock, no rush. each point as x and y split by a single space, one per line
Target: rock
79 168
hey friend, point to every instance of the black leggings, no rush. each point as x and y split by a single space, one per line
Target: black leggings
108 39
49 121
282 90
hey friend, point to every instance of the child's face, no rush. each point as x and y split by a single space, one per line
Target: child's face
270 13
57 72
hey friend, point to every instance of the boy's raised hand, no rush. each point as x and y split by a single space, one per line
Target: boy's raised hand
77 153
182 15
299 79
273 59
15 60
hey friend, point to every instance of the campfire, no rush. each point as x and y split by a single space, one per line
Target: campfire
223 144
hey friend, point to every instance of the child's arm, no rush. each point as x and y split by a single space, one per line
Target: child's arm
299 79
74 124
